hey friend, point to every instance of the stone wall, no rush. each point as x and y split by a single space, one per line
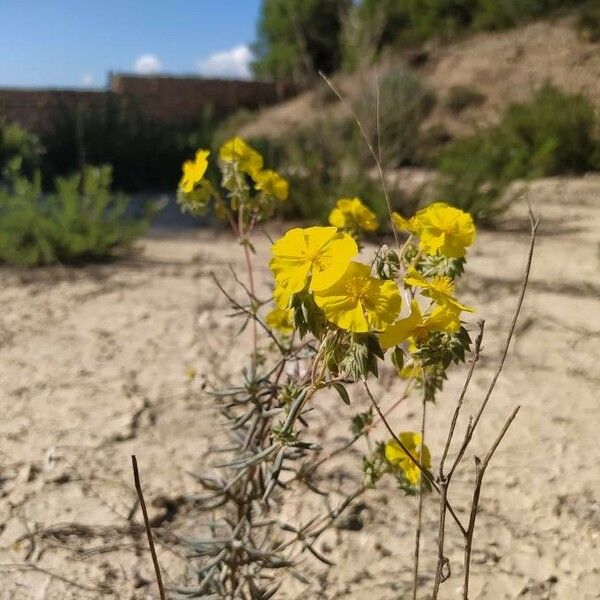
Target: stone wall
176 99
35 109
168 99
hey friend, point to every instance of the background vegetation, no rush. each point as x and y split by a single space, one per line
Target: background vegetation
554 134
296 39
327 161
81 220
145 154
19 150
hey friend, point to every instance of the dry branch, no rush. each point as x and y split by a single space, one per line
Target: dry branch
140 493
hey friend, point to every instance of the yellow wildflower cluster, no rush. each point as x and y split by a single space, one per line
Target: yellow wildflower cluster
319 260
401 308
355 310
238 161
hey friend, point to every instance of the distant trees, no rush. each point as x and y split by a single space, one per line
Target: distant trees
297 39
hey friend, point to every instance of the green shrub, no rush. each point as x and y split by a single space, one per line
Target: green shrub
81 221
553 134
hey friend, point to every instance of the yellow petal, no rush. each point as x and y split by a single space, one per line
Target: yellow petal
280 319
320 253
238 151
402 224
334 257
402 329
337 218
345 312
272 184
193 171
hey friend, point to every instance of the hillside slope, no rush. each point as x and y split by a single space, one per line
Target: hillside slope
505 67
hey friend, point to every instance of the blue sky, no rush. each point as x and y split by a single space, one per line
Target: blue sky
66 43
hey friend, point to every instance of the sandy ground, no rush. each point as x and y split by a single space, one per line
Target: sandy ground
93 368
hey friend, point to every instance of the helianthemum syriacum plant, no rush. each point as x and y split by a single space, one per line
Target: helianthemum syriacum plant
334 318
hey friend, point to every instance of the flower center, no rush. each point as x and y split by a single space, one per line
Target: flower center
442 285
320 261
357 288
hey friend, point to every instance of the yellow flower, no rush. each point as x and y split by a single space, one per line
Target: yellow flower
352 214
444 229
439 288
319 253
398 458
236 150
280 319
271 183
401 224
358 302
193 171
443 318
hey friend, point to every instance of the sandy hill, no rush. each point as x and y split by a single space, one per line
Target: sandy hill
504 67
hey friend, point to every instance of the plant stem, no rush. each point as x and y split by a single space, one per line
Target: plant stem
253 292
243 239
481 466
441 560
420 505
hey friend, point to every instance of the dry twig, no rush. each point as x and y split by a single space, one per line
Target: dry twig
138 488
444 479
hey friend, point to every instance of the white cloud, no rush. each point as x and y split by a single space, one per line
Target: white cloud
147 64
229 63
87 79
